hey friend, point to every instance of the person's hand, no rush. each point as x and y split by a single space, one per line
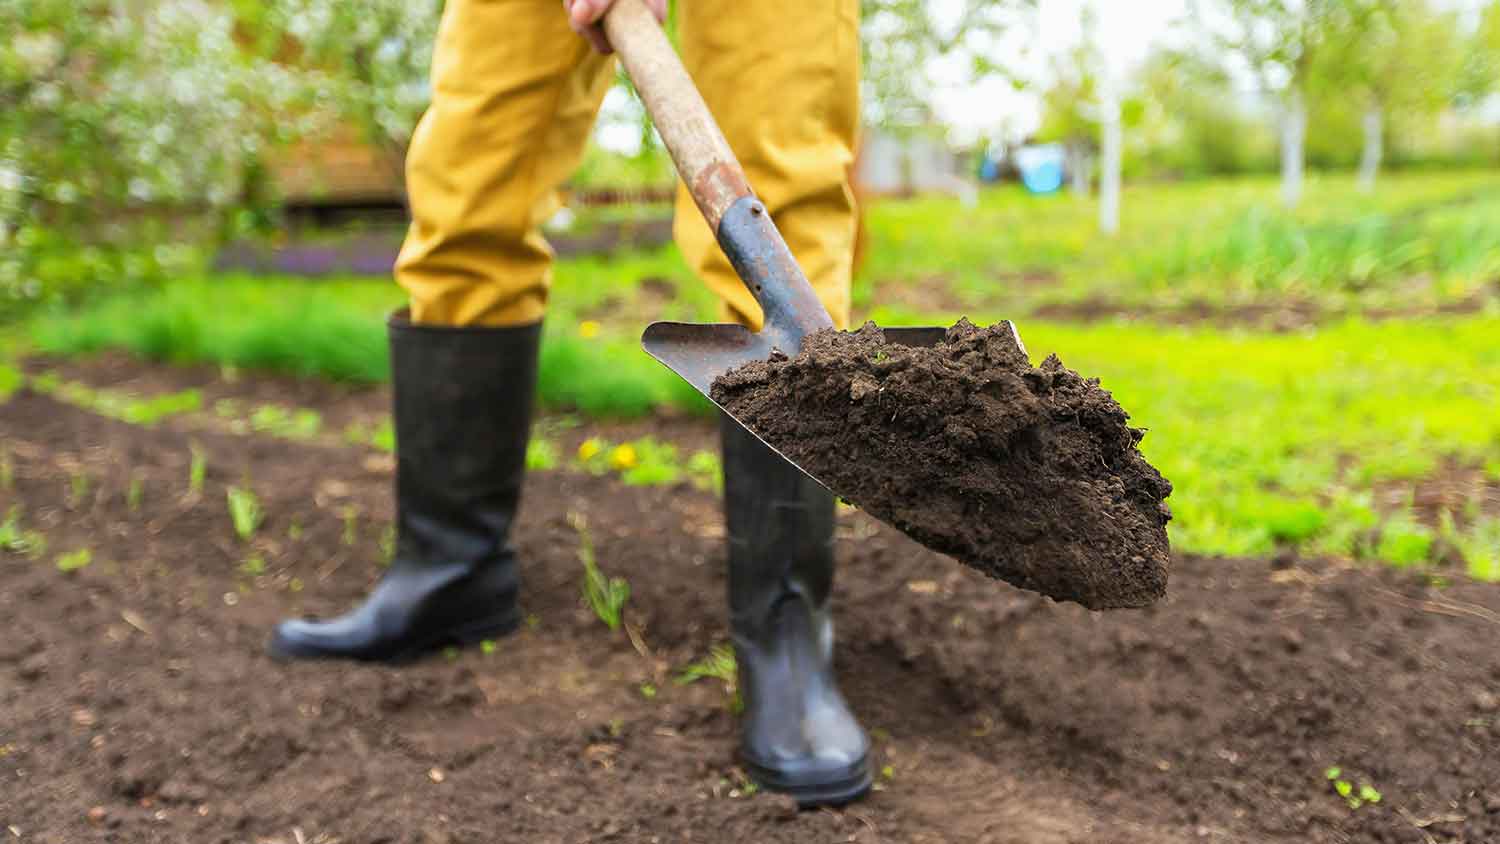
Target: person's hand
584 17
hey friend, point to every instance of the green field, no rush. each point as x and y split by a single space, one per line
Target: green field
1317 439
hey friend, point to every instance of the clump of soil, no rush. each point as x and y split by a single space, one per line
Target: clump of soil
1029 474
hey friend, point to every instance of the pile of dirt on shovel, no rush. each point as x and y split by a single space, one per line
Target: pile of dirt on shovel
1029 474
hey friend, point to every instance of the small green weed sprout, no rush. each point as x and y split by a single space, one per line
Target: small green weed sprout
75 560
78 487
706 470
541 455
253 566
294 530
719 665
388 544
605 595
7 471
299 424
135 492
197 469
650 462
351 526
245 511
17 540
1354 797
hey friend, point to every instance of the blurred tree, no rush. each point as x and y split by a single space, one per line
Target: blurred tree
1071 100
908 44
1481 72
1279 43
113 117
1402 58
1194 124
373 57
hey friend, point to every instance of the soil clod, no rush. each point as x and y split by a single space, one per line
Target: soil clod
1029 474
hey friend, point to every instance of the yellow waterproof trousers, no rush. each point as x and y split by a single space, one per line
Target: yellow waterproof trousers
514 97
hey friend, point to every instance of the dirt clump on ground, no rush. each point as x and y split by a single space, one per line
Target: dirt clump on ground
1029 474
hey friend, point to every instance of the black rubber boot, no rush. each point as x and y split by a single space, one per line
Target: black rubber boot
798 735
463 401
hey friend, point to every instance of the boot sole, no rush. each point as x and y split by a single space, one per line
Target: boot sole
845 787
465 635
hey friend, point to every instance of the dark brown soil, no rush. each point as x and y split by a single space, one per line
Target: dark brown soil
137 705
1027 473
1281 314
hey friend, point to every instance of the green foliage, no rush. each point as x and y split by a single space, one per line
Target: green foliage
10 379
286 326
350 535
1191 125
605 595
1422 240
541 454
1345 789
294 423
78 487
904 43
718 665
389 544
111 113
197 468
646 461
245 511
118 405
75 560
15 539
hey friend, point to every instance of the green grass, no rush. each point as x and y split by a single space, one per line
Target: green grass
1421 239
336 330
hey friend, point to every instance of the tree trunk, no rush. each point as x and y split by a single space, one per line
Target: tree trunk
1078 168
1293 135
1369 161
1109 168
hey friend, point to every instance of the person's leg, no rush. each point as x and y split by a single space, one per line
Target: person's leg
515 93
782 78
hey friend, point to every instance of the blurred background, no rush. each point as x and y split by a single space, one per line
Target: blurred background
1271 226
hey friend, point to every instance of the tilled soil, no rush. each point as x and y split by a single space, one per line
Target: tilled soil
1029 474
137 704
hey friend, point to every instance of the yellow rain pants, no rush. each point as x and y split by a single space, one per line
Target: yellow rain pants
514 97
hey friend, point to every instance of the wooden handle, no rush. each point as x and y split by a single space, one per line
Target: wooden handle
704 160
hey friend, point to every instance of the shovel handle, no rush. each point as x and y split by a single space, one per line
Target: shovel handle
707 165
713 176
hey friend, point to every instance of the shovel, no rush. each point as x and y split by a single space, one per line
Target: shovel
1052 512
700 353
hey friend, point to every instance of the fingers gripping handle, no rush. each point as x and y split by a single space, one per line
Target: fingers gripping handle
704 159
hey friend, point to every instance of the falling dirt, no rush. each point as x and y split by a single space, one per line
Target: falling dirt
1026 473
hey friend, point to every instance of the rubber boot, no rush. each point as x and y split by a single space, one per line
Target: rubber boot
463 401
797 735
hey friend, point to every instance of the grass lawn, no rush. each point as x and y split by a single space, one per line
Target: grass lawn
1316 439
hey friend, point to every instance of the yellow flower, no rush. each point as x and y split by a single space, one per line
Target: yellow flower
588 329
588 448
623 457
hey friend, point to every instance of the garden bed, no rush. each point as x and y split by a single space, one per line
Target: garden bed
137 703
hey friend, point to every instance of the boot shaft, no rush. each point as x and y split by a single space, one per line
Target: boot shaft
462 406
